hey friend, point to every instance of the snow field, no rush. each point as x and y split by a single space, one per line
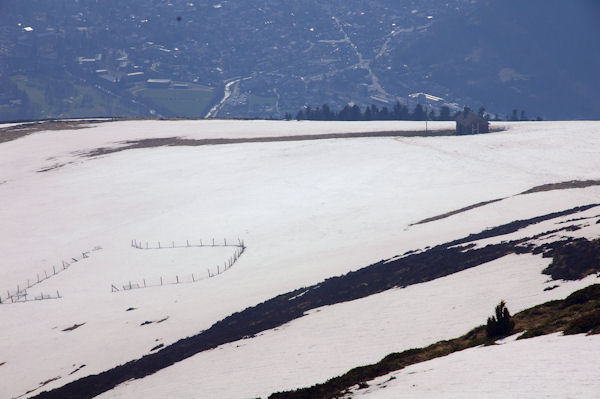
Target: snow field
331 340
306 210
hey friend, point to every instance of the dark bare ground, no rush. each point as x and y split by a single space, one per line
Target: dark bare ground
575 260
562 186
178 141
73 327
545 187
452 213
77 369
15 132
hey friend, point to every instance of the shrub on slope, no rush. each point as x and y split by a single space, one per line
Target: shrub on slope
501 324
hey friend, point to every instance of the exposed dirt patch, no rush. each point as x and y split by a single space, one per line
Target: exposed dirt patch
179 141
53 167
148 322
77 369
562 186
551 288
157 347
546 187
42 384
15 132
73 327
575 260
452 213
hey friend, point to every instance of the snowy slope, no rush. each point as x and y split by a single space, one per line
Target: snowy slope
330 341
552 366
306 211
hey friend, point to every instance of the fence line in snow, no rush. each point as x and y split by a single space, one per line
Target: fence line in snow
182 279
188 244
21 295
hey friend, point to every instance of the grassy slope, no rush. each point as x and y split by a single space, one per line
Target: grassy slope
578 313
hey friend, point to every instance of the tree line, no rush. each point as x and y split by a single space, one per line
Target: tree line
397 112
372 113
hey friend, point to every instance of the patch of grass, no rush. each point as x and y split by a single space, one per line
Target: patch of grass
583 296
584 324
578 313
79 101
193 102
256 103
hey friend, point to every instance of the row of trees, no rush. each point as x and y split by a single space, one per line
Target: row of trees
515 116
398 112
372 112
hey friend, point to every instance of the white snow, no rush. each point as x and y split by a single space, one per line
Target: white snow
551 366
306 210
331 340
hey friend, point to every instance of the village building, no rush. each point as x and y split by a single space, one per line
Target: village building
468 122
159 83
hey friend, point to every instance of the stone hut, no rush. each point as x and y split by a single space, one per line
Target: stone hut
468 122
